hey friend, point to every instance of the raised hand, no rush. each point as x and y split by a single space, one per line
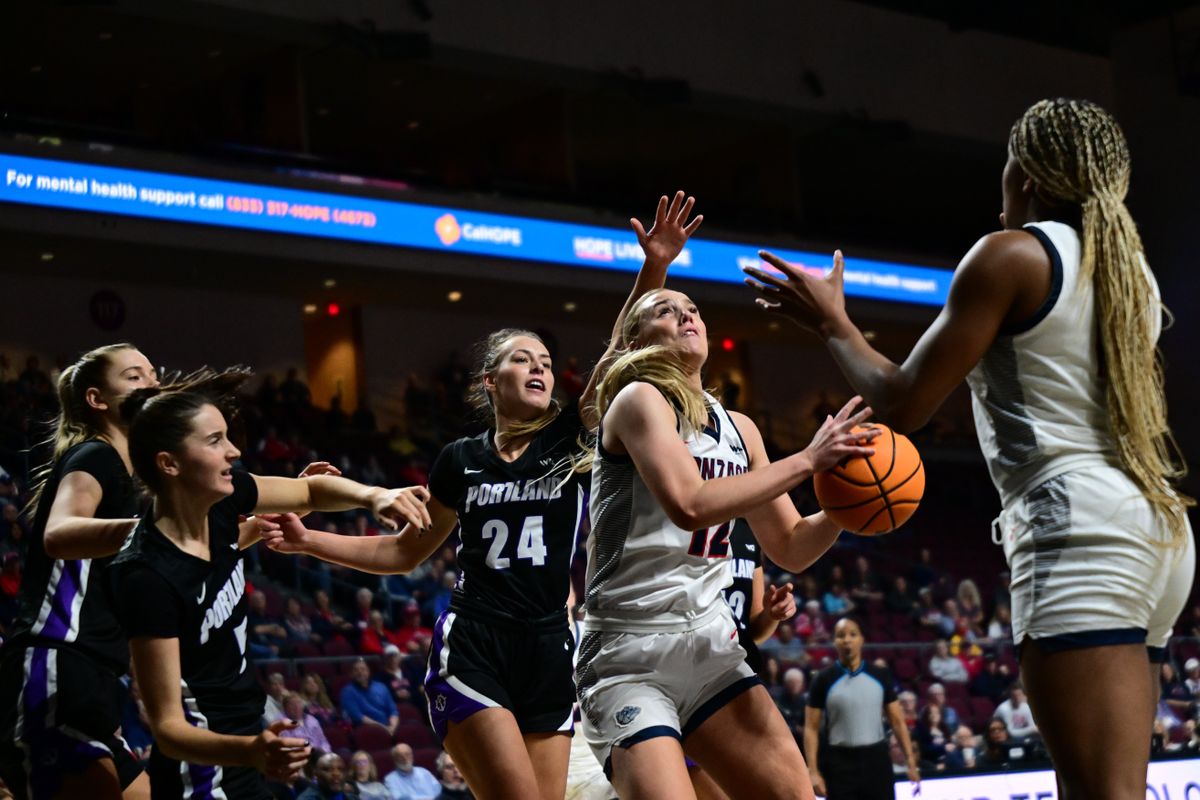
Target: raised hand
780 602
394 507
837 440
320 468
277 756
811 302
670 231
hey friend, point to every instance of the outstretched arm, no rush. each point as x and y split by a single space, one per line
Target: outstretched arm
906 395
333 493
381 555
662 245
641 423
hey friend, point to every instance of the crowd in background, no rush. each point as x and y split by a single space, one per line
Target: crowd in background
344 652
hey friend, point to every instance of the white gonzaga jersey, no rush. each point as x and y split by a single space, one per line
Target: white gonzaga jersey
1037 393
644 572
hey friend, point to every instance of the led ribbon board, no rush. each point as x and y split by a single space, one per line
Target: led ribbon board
251 206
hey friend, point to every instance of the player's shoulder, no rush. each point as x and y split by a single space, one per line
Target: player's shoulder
1000 251
92 454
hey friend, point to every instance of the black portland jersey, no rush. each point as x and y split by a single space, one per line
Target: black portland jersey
744 558
161 592
517 521
62 601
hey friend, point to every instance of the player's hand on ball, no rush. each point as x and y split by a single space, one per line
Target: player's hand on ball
780 602
394 507
837 440
280 757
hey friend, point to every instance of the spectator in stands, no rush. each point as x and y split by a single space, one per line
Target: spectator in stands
791 703
997 745
439 599
999 630
970 606
317 700
454 787
298 626
412 627
932 736
362 609
810 624
837 601
326 622
993 681
771 678
10 575
329 780
1173 691
364 778
276 689
908 708
946 667
783 645
900 598
376 636
1158 738
1016 714
1192 669
1193 625
392 675
952 621
266 630
293 392
368 702
1192 745
929 616
135 725
864 585
935 695
961 756
408 781
14 528
809 591
309 727
1003 594
924 575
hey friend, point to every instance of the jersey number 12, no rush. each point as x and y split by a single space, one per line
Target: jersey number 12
529 545
711 542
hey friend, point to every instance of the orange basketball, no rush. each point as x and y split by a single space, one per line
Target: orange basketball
877 494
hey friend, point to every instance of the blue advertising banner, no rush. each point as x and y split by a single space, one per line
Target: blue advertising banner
203 201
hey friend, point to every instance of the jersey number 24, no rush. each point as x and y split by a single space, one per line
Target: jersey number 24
529 545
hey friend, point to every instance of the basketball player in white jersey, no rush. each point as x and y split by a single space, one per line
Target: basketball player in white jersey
1054 323
660 668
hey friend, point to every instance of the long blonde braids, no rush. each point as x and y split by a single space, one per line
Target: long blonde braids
1075 153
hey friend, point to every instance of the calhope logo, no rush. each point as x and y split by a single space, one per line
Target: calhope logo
447 229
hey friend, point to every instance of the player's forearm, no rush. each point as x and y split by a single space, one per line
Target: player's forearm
874 376
333 493
86 537
183 742
719 500
379 555
763 626
809 539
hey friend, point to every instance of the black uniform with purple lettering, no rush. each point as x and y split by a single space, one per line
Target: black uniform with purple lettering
161 592
59 675
505 641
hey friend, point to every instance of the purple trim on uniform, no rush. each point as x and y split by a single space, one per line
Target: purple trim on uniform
446 705
36 694
66 756
687 762
435 650
58 623
202 776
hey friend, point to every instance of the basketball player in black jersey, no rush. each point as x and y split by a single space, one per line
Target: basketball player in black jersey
757 610
178 590
500 683
59 671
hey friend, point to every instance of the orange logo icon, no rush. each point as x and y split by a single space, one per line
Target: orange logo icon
447 229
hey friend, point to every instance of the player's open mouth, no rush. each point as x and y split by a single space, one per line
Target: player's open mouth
536 386
689 332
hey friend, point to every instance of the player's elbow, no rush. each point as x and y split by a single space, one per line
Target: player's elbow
903 417
54 542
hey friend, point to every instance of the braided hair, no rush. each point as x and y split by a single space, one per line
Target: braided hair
1076 155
